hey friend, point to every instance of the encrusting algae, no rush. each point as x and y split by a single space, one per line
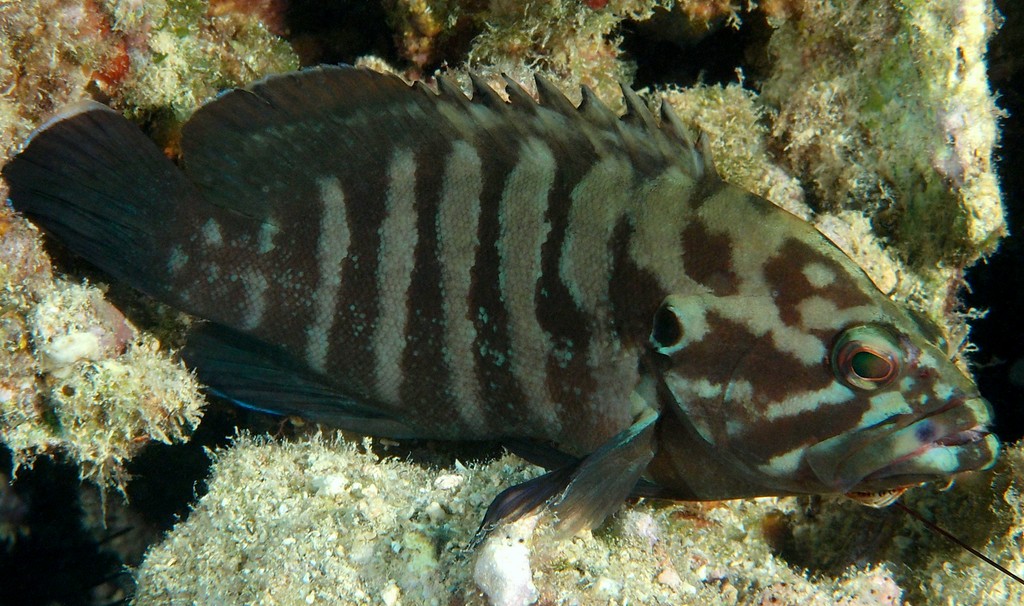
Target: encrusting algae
322 520
885 108
76 377
325 521
900 133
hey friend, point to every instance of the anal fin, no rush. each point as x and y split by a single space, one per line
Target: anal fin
264 377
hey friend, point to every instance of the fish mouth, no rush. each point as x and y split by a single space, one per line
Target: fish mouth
909 450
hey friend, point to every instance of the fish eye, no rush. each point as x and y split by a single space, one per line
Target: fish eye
666 329
866 357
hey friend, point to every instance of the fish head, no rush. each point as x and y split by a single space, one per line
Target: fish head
831 389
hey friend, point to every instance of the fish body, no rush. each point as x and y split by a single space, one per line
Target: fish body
407 262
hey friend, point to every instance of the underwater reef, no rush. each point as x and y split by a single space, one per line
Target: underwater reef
873 119
75 376
327 521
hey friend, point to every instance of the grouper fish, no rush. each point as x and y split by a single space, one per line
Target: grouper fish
407 262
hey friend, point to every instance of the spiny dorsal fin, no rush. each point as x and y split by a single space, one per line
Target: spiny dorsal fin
552 97
518 96
699 155
421 86
673 126
272 144
595 111
703 155
484 94
450 89
637 113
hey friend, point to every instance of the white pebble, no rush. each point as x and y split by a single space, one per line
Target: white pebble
608 588
502 569
448 481
329 486
435 512
390 594
642 526
65 350
669 576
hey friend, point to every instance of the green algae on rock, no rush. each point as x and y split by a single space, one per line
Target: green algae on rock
885 107
74 376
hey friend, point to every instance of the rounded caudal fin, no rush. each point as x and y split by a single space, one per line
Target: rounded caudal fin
99 185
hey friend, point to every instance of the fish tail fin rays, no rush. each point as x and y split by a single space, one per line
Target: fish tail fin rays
263 377
584 492
99 185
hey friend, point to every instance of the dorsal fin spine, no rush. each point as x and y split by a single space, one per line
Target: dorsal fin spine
553 98
518 96
637 113
593 109
422 87
484 94
449 89
673 126
704 158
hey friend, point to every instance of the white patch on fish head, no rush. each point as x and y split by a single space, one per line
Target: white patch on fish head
818 274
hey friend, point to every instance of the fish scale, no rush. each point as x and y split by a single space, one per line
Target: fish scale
407 262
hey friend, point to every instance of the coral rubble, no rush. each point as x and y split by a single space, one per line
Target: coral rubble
885 108
323 520
327 521
75 376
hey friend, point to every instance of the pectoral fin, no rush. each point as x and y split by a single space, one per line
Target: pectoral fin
584 492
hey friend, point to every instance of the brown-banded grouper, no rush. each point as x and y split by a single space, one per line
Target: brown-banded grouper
413 263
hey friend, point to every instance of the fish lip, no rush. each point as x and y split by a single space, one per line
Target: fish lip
955 444
910 449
